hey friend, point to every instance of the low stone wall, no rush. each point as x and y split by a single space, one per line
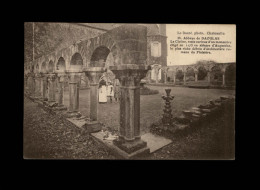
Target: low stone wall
195 117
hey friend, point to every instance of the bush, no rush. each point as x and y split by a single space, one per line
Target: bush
148 91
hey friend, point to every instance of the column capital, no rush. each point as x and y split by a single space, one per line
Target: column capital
94 74
74 77
130 74
51 76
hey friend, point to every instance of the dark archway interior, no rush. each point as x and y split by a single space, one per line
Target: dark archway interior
43 68
202 73
61 65
76 59
216 75
37 68
190 74
51 67
99 56
179 75
230 75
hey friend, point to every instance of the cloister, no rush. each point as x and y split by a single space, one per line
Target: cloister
126 49
212 73
124 52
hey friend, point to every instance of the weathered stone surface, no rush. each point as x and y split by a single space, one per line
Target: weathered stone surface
92 126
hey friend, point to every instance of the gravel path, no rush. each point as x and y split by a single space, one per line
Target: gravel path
46 137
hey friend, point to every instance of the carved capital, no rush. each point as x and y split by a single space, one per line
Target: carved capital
130 75
94 74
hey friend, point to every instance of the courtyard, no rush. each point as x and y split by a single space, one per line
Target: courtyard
47 137
151 106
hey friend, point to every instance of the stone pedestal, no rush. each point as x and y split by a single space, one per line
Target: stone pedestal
74 78
94 74
51 86
129 76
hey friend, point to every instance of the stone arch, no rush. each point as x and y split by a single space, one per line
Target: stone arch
76 62
99 56
43 67
50 68
216 75
179 74
61 65
230 75
202 72
190 74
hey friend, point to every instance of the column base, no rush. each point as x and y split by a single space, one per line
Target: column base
93 126
70 114
60 108
130 147
43 99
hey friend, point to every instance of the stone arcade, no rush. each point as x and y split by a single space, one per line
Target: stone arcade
128 46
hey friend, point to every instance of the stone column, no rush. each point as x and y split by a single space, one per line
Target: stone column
61 79
37 85
223 78
94 74
156 74
174 78
33 85
51 86
184 78
165 77
130 76
208 75
44 87
196 76
74 78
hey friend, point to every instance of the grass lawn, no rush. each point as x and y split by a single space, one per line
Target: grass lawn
151 105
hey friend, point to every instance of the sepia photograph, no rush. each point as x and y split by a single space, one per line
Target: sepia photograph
129 91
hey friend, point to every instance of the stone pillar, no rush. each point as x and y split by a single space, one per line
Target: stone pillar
196 76
165 77
33 85
156 74
208 75
51 86
94 74
174 78
130 76
74 78
44 87
37 85
184 78
60 80
223 79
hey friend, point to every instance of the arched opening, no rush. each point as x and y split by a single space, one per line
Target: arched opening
230 75
61 67
190 74
43 67
216 76
99 57
51 67
37 70
202 73
179 76
76 59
